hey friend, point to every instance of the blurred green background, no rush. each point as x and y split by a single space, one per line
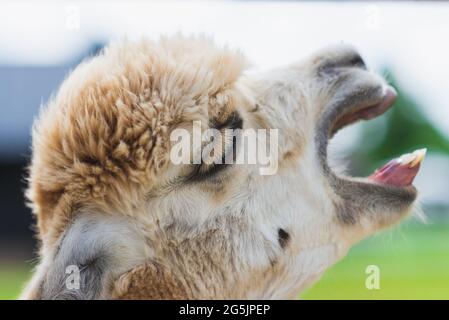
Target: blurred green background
413 261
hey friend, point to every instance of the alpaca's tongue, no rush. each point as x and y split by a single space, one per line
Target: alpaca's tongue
401 171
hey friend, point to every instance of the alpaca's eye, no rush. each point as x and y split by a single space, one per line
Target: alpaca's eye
220 152
233 121
204 172
222 156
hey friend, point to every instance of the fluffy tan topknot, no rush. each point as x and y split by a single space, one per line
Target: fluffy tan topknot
100 142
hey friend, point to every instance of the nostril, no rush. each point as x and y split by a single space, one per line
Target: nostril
346 61
331 66
330 60
341 57
357 61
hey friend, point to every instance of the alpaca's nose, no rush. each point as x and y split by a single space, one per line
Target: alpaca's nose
340 56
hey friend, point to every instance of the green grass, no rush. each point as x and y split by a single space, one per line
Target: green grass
12 280
413 262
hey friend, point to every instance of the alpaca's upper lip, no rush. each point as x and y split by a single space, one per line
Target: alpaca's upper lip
366 112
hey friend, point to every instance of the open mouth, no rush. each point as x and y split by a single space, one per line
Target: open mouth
399 172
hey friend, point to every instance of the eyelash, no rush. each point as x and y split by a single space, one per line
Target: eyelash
204 171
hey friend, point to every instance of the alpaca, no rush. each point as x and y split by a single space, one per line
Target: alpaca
109 201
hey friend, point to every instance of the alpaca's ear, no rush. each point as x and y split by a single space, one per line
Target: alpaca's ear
150 281
74 281
88 256
76 267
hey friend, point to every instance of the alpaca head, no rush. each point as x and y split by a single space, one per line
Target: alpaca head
120 216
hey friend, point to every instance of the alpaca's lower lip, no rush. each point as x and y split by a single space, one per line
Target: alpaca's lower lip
400 172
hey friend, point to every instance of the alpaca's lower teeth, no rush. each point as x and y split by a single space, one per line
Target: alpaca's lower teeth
412 159
401 171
